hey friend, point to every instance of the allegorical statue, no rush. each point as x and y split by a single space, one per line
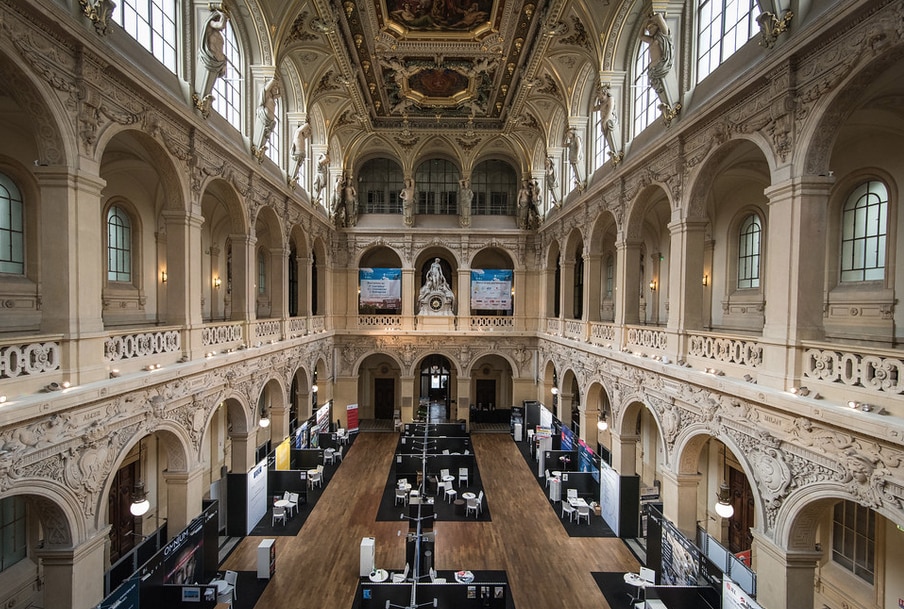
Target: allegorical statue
265 117
435 296
299 150
211 58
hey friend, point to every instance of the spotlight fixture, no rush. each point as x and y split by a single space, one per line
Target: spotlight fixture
2 399
801 391
723 504
52 387
555 391
114 373
602 424
151 367
265 421
863 406
140 504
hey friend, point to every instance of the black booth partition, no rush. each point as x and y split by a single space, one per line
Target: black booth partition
487 590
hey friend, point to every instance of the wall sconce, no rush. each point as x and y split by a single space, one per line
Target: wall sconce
217 282
652 285
705 280
555 391
140 504
162 276
314 388
265 420
602 424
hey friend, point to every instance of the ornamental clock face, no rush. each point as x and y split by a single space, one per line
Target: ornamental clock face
436 303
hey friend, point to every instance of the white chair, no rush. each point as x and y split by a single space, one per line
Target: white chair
567 508
293 503
230 577
329 458
473 504
572 494
441 488
445 451
399 578
480 501
584 512
316 479
434 578
548 478
463 477
279 515
450 494
401 493
338 455
443 473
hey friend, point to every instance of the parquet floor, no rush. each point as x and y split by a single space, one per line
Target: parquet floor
546 569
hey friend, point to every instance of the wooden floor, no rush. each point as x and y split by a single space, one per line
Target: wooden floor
546 568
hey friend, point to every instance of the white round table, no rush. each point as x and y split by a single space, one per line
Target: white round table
467 496
379 575
283 503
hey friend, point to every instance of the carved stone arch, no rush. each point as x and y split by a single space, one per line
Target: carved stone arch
618 47
454 361
365 249
637 209
225 193
584 90
238 412
514 261
250 26
59 512
630 414
271 219
359 360
831 108
494 353
695 205
55 141
175 442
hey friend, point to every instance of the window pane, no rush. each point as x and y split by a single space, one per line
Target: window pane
12 229
227 94
153 24
863 233
723 27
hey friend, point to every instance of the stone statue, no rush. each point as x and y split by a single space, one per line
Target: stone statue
575 146
605 105
266 116
659 46
551 180
435 296
323 167
350 200
524 202
211 58
465 196
299 150
337 207
407 196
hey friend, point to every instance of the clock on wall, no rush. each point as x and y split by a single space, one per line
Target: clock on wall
436 303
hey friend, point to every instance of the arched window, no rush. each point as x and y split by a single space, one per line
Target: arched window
723 27
854 539
436 182
380 182
12 228
863 233
494 184
227 92
153 24
578 284
293 282
610 276
261 272
749 241
13 533
646 102
119 245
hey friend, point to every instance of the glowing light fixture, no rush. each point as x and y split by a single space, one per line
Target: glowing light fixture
723 504
140 504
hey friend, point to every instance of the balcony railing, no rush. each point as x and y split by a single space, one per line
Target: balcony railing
29 358
221 334
490 323
380 322
726 350
877 372
121 347
646 337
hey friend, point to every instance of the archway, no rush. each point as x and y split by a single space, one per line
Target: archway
434 388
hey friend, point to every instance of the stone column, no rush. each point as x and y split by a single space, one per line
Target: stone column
589 417
463 297
463 399
184 492
790 574
593 285
686 275
679 500
243 292
795 271
566 291
73 575
184 275
624 453
305 285
627 283
409 297
279 282
243 451
407 397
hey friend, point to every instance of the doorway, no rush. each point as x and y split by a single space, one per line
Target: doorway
384 398
739 526
485 394
434 385
122 523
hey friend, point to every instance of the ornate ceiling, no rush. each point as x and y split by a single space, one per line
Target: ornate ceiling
469 68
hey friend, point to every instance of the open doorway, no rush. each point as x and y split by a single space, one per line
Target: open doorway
434 387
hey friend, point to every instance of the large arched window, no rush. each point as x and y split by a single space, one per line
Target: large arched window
12 228
13 533
227 92
723 27
261 271
863 233
274 141
379 184
610 276
436 182
646 102
749 241
494 184
153 24
854 539
119 245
